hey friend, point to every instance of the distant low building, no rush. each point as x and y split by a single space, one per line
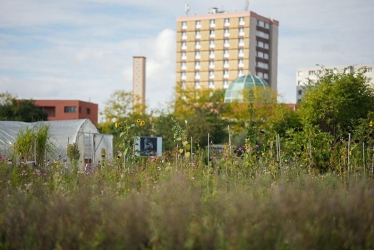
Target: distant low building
303 74
69 110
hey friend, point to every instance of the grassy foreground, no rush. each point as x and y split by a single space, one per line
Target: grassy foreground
154 204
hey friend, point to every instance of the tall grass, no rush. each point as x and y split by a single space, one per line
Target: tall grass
155 204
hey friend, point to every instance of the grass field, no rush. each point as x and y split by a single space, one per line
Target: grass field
159 204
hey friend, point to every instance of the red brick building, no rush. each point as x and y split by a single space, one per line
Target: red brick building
69 109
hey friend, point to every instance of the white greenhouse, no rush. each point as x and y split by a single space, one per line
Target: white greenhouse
82 132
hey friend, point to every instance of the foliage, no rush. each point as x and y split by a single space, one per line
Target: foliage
12 109
73 151
163 125
33 145
153 206
336 101
202 109
119 107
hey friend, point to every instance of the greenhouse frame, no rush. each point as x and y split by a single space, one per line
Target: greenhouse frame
91 144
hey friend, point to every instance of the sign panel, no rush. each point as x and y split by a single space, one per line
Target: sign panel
148 146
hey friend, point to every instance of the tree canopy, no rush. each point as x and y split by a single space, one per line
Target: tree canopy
337 101
12 109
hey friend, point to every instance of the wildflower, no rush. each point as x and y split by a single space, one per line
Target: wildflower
138 120
142 123
117 125
371 123
187 154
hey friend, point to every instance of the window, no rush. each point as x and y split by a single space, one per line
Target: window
183 75
211 64
227 32
241 31
369 70
211 43
262 75
70 109
197 85
211 53
197 54
226 43
198 24
312 72
184 35
241 20
197 75
212 23
184 25
240 72
184 45
211 74
198 34
299 92
183 65
262 24
184 55
262 65
241 52
211 84
262 34
262 45
262 55
225 84
227 21
226 53
226 63
299 83
197 44
241 63
241 41
212 33
299 73
183 84
197 65
225 73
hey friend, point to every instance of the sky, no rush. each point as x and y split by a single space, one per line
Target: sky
83 49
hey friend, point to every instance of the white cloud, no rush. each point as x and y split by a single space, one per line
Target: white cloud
83 49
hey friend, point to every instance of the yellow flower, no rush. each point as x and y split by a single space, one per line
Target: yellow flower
181 150
142 123
138 120
187 154
116 125
371 124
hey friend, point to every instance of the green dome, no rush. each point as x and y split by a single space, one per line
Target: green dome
235 90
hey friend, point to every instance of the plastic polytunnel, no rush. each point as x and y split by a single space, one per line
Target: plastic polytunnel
82 131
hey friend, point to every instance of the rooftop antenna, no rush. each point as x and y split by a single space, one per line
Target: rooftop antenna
187 8
246 5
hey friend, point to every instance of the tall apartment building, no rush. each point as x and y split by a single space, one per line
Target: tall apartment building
138 82
215 48
303 74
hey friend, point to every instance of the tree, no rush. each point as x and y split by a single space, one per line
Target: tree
337 101
202 109
12 109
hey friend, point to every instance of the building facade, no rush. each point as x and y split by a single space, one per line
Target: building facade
69 110
216 48
303 74
138 82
